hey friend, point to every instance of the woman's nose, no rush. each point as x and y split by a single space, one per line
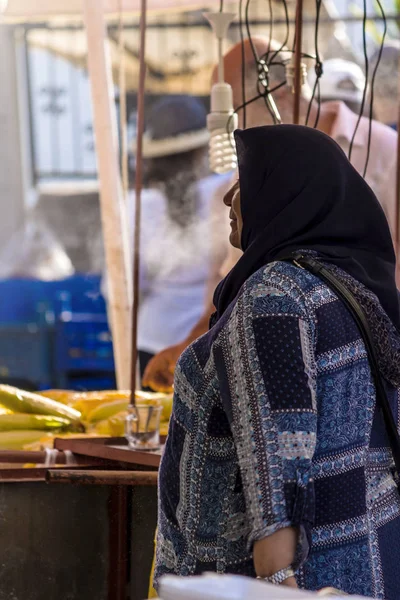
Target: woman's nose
228 197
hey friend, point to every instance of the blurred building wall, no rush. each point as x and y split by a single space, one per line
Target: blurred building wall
11 171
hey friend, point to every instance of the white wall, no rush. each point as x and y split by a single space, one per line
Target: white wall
11 178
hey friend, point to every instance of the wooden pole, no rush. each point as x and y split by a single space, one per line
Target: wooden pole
138 192
297 62
122 105
113 210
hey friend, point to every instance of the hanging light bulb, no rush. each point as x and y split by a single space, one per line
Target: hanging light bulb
222 120
290 74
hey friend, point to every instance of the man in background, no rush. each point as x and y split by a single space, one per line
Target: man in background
336 120
342 80
386 89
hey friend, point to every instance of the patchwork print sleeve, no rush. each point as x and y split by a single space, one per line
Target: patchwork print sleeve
267 382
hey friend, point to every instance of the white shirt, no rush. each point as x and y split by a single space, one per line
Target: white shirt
176 265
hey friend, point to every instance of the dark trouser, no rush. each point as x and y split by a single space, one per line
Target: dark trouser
144 359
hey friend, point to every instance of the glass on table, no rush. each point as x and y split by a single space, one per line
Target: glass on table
142 426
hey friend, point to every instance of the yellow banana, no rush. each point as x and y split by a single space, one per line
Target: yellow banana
22 421
167 407
164 428
27 402
110 409
63 396
17 440
86 402
103 395
105 411
85 407
117 424
114 427
102 428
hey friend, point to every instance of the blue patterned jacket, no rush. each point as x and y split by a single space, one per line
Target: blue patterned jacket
274 424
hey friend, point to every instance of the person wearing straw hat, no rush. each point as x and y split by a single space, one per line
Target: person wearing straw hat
175 247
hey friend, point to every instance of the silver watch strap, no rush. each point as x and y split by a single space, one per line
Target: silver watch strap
280 576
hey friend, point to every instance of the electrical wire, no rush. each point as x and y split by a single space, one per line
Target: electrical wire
364 96
267 60
371 102
247 22
318 69
262 73
271 25
286 39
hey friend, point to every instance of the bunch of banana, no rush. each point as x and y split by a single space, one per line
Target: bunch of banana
109 418
29 420
20 401
26 417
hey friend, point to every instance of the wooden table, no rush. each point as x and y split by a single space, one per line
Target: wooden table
123 469
131 477
109 449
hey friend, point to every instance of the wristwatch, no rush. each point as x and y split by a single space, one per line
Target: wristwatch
280 576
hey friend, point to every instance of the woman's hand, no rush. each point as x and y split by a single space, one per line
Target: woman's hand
276 552
159 373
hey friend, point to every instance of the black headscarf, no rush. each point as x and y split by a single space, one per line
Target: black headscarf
299 192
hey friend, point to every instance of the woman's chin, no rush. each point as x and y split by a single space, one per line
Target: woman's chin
234 239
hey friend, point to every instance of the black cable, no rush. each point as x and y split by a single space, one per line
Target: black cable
262 70
318 67
271 25
241 107
310 104
247 22
243 63
318 104
254 99
262 64
285 41
371 101
221 6
366 78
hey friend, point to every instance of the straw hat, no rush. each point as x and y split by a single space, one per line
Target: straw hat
175 124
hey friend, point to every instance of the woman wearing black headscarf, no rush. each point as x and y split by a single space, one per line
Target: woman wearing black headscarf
278 463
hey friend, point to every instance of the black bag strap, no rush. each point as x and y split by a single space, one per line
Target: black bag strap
314 266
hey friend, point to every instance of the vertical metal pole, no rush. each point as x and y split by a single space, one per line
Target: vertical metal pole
138 191
297 62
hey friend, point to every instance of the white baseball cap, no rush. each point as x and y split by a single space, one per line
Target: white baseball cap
341 80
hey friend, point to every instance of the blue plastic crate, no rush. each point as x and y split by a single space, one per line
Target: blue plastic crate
21 299
26 354
49 330
83 343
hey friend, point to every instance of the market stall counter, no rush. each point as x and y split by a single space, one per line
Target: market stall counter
90 538
93 535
